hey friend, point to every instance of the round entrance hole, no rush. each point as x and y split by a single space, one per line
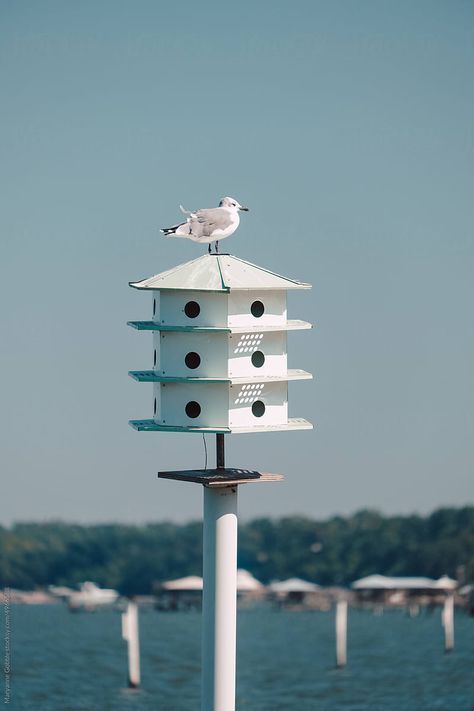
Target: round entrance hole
193 409
258 359
192 360
258 408
257 309
192 309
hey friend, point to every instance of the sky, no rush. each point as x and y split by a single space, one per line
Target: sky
347 128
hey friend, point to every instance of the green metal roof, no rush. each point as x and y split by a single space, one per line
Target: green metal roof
220 273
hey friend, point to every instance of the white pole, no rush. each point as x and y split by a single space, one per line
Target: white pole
219 607
447 620
130 634
341 633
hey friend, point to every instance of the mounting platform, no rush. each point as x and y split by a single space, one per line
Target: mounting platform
221 476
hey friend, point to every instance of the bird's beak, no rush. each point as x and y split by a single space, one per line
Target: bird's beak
245 209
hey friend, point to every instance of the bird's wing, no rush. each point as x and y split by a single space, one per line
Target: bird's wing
214 218
185 212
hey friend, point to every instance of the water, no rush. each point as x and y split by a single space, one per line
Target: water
71 662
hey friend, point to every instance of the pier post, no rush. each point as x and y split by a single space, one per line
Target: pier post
341 634
447 620
130 634
219 613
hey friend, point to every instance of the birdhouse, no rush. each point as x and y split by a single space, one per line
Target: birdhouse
220 361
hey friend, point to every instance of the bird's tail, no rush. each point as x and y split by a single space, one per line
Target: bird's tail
168 231
174 231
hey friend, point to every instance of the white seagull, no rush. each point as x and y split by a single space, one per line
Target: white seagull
209 224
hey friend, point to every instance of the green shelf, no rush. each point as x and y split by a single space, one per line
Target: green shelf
294 423
291 325
150 376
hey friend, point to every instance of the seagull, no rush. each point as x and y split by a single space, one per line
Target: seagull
209 224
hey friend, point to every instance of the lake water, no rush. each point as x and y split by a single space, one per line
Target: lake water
73 662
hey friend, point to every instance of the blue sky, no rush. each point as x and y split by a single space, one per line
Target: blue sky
347 128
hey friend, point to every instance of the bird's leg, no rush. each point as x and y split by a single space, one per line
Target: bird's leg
209 247
217 246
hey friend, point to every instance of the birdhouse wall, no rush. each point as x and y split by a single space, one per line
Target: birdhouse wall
257 354
212 401
220 404
258 404
238 308
156 306
156 402
256 308
220 355
193 308
199 355
156 351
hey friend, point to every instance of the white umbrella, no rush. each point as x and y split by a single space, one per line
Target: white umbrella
247 583
191 582
445 583
293 585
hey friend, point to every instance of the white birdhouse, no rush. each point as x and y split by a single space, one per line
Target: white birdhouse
219 329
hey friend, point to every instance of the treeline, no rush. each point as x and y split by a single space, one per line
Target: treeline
331 552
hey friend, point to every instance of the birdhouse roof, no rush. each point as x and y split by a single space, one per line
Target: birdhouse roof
218 272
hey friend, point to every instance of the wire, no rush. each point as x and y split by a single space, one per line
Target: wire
205 450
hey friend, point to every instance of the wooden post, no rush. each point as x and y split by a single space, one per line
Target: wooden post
219 605
341 633
447 620
130 634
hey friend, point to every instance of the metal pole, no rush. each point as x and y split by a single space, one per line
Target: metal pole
220 451
219 613
341 633
130 634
